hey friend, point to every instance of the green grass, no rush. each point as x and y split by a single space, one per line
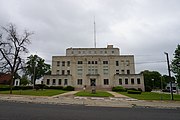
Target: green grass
97 94
35 93
151 96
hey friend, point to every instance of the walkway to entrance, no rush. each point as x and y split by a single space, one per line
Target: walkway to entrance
118 95
67 94
71 94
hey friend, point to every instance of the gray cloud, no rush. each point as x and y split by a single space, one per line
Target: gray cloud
143 28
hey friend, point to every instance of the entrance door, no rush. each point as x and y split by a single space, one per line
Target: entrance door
93 82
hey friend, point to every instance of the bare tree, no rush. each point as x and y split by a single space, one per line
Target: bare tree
12 46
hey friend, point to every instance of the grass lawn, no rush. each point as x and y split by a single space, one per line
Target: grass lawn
97 94
35 93
151 96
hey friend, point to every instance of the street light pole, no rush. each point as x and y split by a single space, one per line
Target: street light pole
153 84
169 71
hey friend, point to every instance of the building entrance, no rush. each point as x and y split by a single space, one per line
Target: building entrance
93 82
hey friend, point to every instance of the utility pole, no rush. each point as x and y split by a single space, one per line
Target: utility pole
169 71
94 33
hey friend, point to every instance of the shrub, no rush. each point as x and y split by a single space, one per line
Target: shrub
22 87
68 88
26 87
4 88
133 92
46 87
56 87
131 89
148 89
40 86
118 89
139 89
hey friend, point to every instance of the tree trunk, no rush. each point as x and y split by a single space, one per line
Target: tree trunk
11 83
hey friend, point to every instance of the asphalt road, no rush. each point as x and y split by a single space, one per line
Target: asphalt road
29 111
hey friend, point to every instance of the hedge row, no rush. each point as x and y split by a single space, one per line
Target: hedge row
133 92
121 89
37 87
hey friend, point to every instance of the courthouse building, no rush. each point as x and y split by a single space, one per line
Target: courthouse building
101 67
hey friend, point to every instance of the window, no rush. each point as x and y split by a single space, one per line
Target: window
126 81
105 62
96 70
96 62
94 52
120 81
117 63
105 52
59 82
105 70
57 72
72 52
58 63
54 81
79 81
79 52
79 70
80 62
63 72
101 52
117 71
89 52
112 52
132 80
127 62
48 81
92 62
92 70
106 81
89 62
63 63
122 61
65 82
128 71
89 70
122 71
68 63
138 81
68 72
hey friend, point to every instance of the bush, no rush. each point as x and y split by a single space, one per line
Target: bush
68 88
139 89
131 89
4 87
22 87
118 89
26 87
133 92
56 87
39 86
148 89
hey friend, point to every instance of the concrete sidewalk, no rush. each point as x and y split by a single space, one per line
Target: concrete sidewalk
115 94
67 94
69 99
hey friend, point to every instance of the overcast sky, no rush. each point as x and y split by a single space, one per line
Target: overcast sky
144 28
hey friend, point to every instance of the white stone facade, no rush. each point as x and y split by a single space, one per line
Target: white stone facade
103 67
